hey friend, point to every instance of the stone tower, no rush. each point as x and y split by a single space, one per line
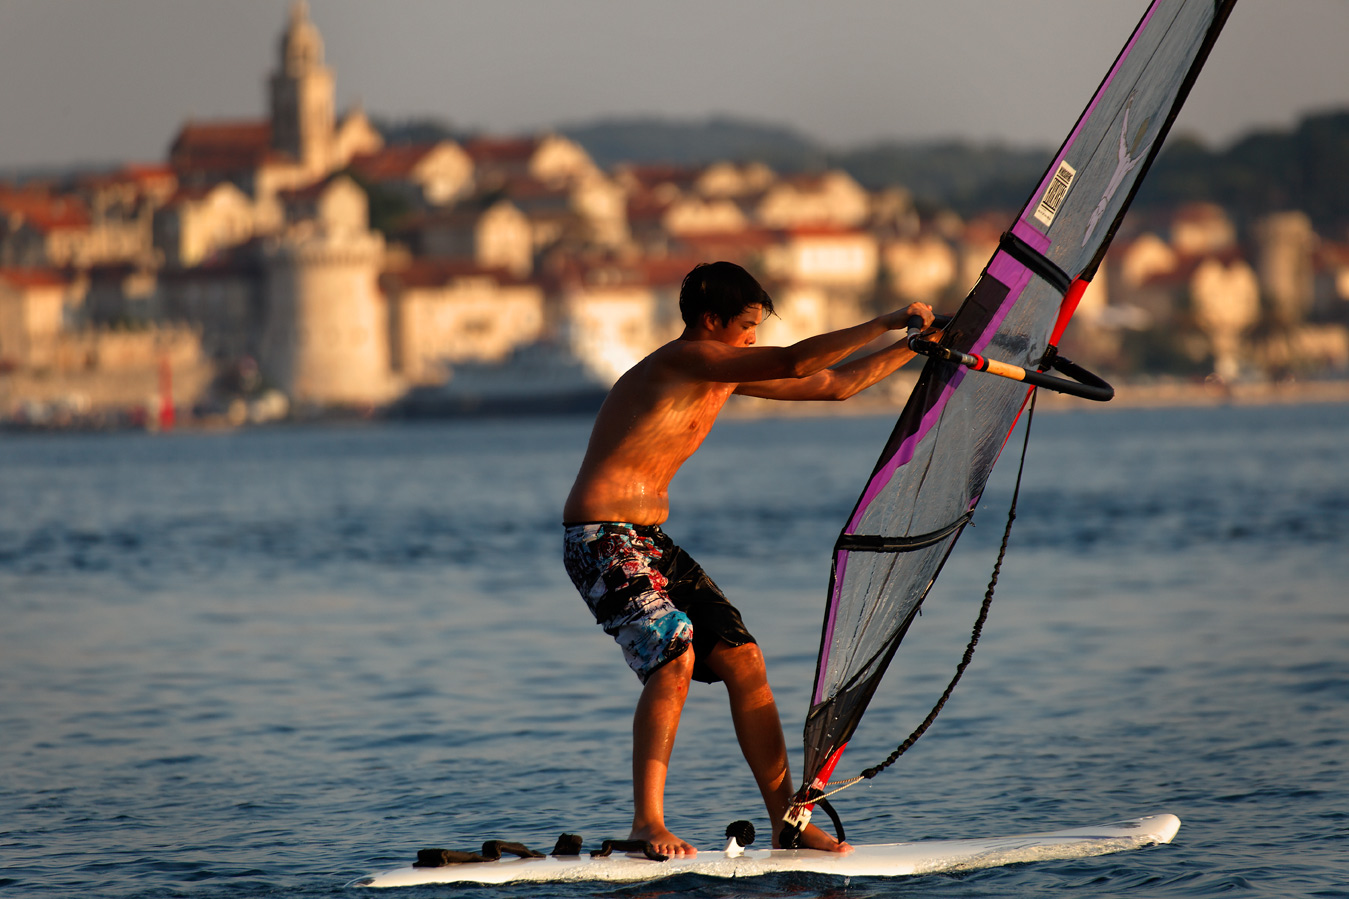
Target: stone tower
302 95
326 337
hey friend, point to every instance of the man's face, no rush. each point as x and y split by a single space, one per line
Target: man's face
739 331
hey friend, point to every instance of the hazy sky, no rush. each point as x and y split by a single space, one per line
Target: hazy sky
112 80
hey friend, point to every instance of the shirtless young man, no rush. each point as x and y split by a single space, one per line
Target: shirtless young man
673 623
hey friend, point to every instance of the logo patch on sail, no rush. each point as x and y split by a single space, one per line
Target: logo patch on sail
1054 194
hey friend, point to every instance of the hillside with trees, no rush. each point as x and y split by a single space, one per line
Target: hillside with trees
1304 168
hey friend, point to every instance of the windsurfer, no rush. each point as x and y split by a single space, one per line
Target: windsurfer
651 596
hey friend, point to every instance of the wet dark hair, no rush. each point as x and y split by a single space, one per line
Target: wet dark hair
722 288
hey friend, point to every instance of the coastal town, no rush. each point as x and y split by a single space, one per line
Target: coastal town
301 264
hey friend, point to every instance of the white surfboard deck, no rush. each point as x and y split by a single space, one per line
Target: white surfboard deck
873 860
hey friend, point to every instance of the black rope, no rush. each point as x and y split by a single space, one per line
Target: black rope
979 622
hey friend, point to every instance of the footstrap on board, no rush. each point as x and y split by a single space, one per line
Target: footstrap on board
491 851
642 846
569 844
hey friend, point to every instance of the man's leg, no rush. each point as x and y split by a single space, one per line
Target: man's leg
654 726
759 730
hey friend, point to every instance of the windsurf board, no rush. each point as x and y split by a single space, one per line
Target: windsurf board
866 860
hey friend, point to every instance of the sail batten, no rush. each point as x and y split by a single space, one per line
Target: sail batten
931 474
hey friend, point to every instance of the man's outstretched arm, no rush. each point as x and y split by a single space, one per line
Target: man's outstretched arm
712 360
837 383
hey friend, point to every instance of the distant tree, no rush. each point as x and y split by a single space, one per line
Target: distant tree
1269 171
967 177
419 131
695 143
388 207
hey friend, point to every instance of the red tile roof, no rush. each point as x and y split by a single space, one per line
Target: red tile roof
44 210
646 207
221 147
667 271
144 173
527 187
570 271
33 277
746 240
502 151
134 174
1187 264
820 230
391 163
656 174
1332 255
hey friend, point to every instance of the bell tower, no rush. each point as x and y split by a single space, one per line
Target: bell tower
303 95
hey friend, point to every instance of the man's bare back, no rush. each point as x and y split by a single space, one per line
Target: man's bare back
658 413
652 421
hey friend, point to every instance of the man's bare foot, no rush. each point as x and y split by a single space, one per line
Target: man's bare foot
663 841
814 838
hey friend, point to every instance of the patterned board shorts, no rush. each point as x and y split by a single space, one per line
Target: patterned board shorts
650 596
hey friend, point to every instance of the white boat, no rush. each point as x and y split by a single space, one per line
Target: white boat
536 379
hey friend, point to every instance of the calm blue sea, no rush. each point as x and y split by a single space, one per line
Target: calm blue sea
265 663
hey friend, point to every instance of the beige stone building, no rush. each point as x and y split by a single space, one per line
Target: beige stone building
43 229
1225 300
892 214
33 305
499 236
199 222
804 310
656 183
585 211
442 314
921 269
1144 258
829 199
734 180
832 257
1332 277
46 362
1285 251
426 175
975 242
549 158
101 220
609 325
122 293
1202 229
611 310
222 299
701 215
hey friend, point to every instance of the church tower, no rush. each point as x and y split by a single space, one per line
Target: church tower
303 95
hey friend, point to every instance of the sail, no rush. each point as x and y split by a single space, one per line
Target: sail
933 469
